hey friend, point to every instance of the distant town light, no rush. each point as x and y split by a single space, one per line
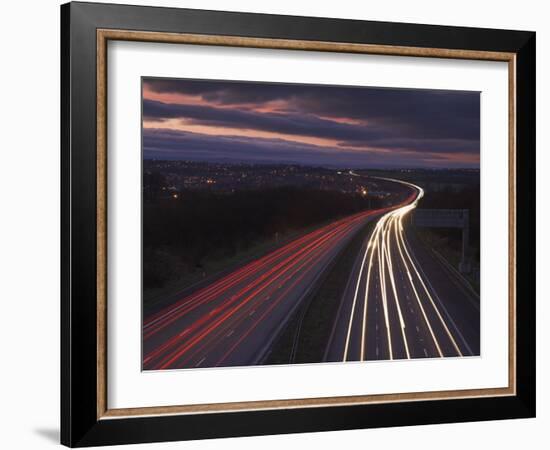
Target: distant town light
174 195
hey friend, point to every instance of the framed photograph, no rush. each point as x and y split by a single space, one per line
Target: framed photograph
276 224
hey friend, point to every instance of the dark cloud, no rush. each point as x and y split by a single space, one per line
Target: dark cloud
406 121
294 124
171 144
422 145
418 112
223 92
414 112
304 125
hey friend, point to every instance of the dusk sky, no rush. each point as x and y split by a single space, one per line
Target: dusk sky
332 126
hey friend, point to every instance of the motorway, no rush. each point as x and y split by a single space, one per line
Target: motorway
234 320
391 309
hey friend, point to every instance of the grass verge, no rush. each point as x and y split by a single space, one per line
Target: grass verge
306 336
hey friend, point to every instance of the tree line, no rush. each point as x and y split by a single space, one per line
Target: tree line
182 235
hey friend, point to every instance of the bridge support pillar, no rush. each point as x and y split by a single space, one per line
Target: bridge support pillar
448 218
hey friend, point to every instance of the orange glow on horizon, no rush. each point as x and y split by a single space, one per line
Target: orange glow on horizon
210 130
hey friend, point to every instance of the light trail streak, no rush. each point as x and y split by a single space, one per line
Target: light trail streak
397 227
382 276
304 265
377 246
365 303
210 321
221 319
226 304
346 348
394 289
170 314
388 235
455 345
252 270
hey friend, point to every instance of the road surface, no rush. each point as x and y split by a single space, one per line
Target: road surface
403 300
234 320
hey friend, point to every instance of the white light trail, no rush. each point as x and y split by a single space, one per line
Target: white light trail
394 289
346 348
380 246
399 227
365 303
455 345
383 292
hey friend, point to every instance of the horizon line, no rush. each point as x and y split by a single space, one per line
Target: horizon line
261 163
